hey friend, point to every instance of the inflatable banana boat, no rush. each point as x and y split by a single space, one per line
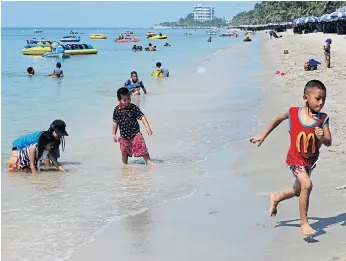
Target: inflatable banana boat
157 37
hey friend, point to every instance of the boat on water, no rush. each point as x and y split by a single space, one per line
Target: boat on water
79 49
37 50
36 31
59 53
128 40
211 32
150 33
70 38
34 43
158 37
71 49
98 36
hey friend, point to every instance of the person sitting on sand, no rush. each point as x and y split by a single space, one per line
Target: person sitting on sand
31 71
326 49
58 72
126 116
29 158
134 85
308 129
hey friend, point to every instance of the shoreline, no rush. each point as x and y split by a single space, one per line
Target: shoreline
195 210
163 232
200 226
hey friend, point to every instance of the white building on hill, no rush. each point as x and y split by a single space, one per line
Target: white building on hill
203 13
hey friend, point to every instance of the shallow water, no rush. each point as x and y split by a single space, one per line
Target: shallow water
208 102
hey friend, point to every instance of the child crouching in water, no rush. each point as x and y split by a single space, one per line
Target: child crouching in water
29 158
308 129
126 116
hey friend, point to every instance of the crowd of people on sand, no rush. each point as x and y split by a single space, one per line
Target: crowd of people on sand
308 130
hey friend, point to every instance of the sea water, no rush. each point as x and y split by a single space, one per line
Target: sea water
208 101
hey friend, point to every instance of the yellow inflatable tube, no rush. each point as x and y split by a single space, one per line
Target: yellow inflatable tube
157 73
38 50
98 36
81 51
158 37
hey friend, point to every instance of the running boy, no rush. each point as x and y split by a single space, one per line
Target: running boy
309 129
126 116
134 85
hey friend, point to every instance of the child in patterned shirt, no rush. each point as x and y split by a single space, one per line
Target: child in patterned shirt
126 116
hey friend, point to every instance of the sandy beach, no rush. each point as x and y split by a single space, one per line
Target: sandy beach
267 169
201 226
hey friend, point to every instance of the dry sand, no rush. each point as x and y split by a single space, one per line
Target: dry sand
266 166
204 226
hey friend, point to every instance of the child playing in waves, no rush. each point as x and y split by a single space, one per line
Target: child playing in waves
134 85
29 158
58 72
160 70
31 71
126 116
309 129
57 129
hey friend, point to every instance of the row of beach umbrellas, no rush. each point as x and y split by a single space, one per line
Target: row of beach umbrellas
339 14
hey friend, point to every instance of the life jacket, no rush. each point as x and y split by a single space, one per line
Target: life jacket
134 85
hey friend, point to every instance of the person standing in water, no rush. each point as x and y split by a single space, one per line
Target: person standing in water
126 116
134 85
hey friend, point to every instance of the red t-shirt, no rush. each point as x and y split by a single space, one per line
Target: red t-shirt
305 146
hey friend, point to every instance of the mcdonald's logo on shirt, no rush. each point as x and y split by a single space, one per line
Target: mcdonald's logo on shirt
306 140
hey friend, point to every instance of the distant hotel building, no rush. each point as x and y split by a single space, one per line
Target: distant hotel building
203 13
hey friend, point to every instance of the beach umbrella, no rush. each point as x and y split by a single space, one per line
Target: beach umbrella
324 18
298 21
342 9
336 15
310 19
342 15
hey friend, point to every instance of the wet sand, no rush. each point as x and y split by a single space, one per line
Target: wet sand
210 223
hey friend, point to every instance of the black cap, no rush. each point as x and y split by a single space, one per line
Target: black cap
59 127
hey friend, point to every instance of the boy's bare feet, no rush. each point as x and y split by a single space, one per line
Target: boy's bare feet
273 205
307 230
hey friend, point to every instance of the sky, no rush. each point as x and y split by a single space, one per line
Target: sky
105 14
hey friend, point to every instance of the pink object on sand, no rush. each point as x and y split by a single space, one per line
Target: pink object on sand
282 74
277 72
